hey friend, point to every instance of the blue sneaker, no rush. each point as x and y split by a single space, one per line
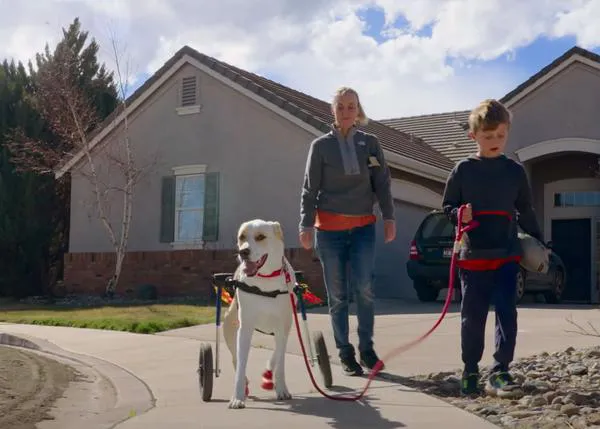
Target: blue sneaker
469 384
502 385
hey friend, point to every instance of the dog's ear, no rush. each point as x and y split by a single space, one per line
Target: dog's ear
277 230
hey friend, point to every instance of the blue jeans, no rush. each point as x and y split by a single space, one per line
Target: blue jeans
348 259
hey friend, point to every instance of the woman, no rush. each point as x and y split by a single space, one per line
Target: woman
345 176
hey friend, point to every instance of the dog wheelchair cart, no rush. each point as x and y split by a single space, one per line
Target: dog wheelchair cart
207 368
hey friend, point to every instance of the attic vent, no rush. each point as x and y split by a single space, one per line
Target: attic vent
189 91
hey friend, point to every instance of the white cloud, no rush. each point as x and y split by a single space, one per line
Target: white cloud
318 45
578 21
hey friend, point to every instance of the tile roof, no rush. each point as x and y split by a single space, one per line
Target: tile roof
442 131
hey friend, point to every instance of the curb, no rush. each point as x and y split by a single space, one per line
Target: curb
134 396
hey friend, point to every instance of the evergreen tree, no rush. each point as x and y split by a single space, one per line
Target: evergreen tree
34 208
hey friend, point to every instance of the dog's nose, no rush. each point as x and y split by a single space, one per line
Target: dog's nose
244 253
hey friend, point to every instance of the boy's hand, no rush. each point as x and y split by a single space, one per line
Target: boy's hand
467 214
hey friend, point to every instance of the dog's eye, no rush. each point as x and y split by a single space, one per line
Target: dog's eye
242 237
260 237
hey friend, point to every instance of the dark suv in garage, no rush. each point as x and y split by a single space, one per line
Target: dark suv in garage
429 264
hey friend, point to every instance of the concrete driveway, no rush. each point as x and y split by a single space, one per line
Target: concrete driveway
541 328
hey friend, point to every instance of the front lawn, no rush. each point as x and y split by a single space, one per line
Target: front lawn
146 318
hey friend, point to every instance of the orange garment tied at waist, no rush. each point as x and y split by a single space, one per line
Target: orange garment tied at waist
327 221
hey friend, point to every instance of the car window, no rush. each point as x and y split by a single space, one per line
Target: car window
437 226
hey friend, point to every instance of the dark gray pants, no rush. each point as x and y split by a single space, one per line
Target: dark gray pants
479 290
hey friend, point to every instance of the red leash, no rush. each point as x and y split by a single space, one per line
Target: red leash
460 230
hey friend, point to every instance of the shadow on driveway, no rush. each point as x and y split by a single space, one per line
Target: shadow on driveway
339 414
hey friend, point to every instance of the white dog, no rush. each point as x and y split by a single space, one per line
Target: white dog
263 269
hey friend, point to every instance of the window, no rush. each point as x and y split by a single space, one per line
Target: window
188 96
190 207
577 199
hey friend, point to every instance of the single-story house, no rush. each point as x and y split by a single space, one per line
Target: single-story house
223 145
556 135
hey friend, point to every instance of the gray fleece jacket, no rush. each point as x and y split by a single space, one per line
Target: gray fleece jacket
345 176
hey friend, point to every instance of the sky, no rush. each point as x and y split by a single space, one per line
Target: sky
404 57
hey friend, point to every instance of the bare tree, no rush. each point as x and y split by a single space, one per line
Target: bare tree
112 173
590 330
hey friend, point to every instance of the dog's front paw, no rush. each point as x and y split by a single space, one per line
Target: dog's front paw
282 393
237 403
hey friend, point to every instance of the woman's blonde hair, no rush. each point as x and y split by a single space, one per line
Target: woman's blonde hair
361 118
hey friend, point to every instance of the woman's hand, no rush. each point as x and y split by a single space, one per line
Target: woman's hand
389 230
306 239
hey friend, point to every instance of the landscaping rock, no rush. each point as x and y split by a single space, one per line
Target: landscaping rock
561 390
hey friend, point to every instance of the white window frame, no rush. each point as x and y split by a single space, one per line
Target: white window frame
196 170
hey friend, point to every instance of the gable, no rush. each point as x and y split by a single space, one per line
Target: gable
575 55
313 115
565 106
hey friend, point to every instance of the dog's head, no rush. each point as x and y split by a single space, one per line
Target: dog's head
260 245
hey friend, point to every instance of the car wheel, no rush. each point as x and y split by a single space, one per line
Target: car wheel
426 292
520 285
554 296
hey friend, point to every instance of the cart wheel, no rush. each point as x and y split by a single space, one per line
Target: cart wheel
205 371
323 358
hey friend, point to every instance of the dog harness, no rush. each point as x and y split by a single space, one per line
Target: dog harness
236 284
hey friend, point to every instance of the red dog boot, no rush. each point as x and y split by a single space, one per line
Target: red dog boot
267 380
247 387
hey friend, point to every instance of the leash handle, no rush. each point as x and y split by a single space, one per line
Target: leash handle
463 228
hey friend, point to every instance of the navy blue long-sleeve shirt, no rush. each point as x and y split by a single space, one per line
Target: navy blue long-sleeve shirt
497 185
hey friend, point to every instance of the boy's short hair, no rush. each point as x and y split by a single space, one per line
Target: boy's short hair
488 115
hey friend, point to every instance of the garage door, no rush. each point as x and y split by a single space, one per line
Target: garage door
391 280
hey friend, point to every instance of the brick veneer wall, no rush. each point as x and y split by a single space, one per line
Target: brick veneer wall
174 273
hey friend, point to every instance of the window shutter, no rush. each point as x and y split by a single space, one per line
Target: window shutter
211 208
167 212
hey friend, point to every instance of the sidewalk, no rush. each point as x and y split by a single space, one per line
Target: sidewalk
167 366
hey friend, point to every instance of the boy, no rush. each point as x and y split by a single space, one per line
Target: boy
491 187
